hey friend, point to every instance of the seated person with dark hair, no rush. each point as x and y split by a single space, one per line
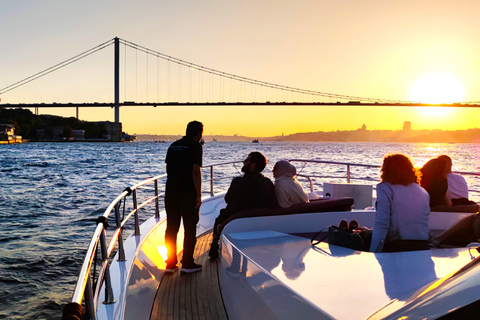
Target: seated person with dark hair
252 190
434 180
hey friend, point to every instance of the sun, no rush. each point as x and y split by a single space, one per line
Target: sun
438 87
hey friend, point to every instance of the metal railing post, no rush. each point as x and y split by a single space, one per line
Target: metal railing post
157 208
135 207
89 304
121 250
109 298
348 173
211 181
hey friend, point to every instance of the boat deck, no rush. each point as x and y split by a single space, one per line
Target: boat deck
191 296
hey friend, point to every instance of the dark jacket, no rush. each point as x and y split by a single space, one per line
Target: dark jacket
252 190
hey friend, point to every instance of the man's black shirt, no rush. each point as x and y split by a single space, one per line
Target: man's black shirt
181 156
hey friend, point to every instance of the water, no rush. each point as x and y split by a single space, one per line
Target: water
50 191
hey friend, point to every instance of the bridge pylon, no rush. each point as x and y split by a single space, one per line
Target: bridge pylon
117 80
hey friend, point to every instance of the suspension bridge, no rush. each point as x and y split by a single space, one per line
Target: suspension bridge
222 88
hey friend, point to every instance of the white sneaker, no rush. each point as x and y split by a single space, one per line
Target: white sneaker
171 268
191 267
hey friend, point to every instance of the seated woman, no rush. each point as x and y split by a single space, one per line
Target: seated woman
287 188
434 180
401 221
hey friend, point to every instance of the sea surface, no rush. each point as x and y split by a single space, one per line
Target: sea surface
51 191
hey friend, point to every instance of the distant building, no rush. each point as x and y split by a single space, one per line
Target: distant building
7 134
8 129
407 126
130 137
113 130
57 132
78 134
364 127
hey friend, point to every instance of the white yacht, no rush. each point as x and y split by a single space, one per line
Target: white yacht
268 267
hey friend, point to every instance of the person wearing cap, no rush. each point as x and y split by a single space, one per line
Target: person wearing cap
287 188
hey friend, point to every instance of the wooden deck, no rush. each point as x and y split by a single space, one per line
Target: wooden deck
191 296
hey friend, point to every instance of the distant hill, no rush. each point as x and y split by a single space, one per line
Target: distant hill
26 124
430 136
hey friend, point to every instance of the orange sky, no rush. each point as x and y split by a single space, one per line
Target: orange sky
377 48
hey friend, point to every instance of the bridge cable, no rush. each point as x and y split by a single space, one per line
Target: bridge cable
213 72
253 81
56 67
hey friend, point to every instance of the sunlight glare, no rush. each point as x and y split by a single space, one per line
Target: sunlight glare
162 250
435 112
438 87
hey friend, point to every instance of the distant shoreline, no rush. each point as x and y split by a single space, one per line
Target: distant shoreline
405 136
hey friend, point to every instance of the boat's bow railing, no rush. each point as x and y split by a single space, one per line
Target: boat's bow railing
348 171
212 178
90 281
348 177
85 286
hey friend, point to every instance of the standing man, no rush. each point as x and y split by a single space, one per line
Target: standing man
183 196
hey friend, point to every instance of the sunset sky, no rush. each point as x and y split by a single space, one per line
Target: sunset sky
401 50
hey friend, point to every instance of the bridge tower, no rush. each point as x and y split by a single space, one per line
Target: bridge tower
117 80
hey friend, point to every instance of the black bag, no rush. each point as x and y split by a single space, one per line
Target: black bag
342 238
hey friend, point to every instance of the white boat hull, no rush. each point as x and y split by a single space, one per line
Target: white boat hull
285 275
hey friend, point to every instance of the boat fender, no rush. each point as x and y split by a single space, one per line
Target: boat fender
129 191
72 311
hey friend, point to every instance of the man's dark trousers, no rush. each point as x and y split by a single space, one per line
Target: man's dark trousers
178 208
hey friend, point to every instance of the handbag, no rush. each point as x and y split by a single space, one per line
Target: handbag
342 238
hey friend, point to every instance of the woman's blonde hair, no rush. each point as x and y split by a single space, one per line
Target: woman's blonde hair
398 169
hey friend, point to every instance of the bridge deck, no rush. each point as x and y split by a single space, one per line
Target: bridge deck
191 296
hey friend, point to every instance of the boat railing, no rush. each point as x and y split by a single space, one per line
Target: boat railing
89 281
212 172
348 172
348 177
85 286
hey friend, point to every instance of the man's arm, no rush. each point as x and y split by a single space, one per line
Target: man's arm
197 181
